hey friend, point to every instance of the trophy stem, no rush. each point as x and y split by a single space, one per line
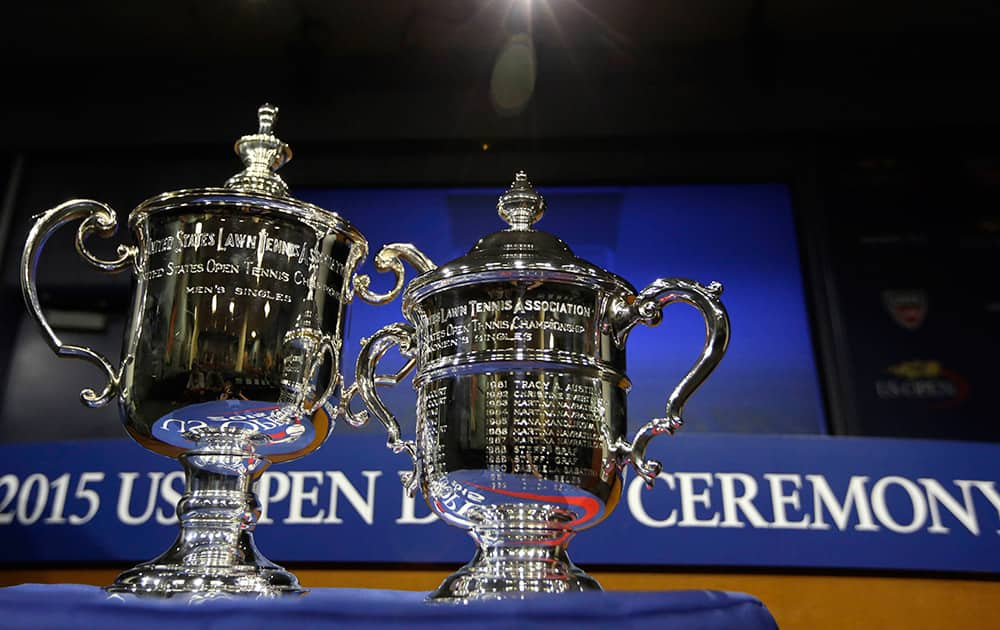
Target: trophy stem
514 563
214 553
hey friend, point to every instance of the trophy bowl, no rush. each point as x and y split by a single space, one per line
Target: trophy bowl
231 354
519 349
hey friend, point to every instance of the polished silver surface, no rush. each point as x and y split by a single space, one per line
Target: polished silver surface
519 349
231 357
390 258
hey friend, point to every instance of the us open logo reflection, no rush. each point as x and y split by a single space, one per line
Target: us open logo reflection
279 423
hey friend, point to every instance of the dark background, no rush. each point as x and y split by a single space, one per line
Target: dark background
882 117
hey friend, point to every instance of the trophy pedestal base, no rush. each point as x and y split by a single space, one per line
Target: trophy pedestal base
166 580
516 565
207 562
214 554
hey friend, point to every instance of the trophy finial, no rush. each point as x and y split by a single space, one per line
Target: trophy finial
262 154
266 115
521 206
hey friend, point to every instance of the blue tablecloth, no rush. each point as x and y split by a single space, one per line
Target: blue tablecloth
40 606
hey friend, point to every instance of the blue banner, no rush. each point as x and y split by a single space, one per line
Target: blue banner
723 500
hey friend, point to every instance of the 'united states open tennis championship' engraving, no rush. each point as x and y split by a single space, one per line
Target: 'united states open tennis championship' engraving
206 251
514 315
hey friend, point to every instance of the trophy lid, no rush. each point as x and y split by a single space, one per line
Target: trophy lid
520 251
257 188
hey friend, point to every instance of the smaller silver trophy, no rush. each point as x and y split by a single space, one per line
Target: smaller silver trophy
521 396
231 354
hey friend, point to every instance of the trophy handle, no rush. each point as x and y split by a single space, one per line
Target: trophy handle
647 308
366 381
97 218
390 258
329 345
319 344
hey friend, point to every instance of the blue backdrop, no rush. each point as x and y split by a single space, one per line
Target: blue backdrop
741 235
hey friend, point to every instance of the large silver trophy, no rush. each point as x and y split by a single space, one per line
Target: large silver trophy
521 396
231 356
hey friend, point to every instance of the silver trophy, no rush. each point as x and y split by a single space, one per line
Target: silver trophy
231 357
521 396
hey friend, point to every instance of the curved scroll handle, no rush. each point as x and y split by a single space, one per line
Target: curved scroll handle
318 345
647 308
329 345
366 381
390 258
97 218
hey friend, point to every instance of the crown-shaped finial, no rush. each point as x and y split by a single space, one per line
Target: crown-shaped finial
521 206
262 154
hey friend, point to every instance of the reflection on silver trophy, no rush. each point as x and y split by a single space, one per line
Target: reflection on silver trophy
521 395
231 355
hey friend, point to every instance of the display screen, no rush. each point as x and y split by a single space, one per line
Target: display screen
742 235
